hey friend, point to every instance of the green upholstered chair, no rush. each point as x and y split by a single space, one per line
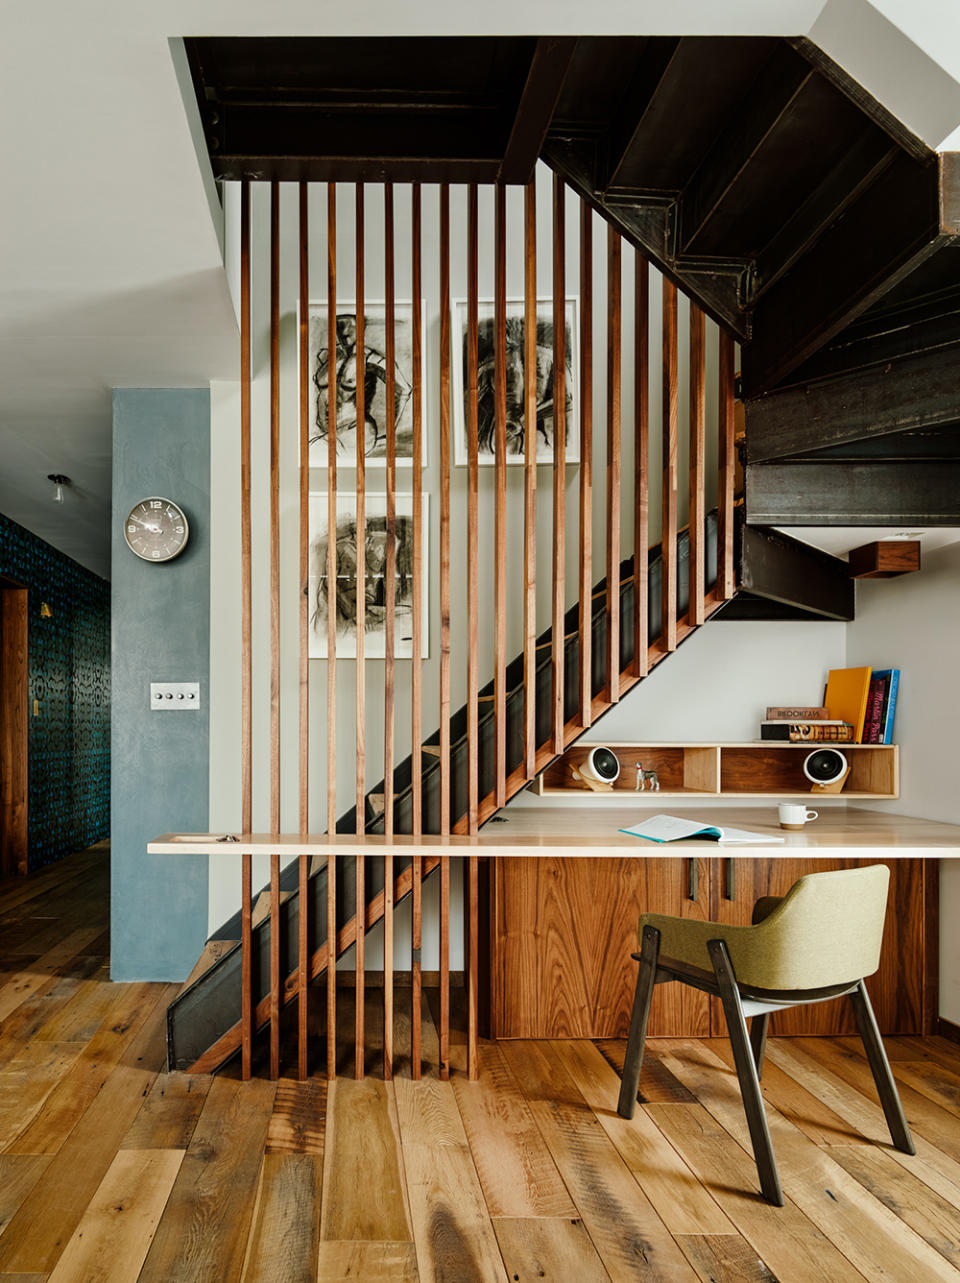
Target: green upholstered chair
817 942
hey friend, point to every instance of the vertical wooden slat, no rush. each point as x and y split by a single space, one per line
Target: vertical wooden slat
473 756
670 480
246 651
332 625
275 978
727 461
445 626
530 478
361 597
586 463
613 463
641 499
416 738
303 987
473 477
390 568
559 457
500 495
697 466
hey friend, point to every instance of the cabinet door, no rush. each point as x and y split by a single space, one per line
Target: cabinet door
563 933
897 991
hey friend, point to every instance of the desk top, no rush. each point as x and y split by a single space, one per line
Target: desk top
566 832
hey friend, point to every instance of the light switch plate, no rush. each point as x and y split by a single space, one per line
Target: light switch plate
169 697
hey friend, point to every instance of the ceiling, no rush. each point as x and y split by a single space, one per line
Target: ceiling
111 266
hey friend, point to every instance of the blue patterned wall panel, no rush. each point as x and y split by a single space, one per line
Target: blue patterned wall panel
69 660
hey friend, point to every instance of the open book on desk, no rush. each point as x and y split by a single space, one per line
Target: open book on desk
670 828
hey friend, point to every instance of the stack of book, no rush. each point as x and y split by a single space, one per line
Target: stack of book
805 726
858 708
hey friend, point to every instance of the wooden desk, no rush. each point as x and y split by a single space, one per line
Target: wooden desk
563 832
565 889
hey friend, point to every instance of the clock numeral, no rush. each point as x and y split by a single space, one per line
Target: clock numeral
155 554
132 529
156 503
178 530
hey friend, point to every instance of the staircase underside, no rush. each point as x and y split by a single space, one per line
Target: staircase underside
751 170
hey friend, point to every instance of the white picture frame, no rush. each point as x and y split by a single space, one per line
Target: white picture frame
375 511
375 405
515 376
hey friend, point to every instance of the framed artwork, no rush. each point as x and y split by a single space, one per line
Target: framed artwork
516 428
350 367
345 594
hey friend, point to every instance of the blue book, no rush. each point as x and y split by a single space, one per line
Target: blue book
891 677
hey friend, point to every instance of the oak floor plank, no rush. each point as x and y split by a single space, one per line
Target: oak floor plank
930 1081
79 1018
285 1237
517 1173
18 1175
718 1257
37 1017
363 1188
656 1081
626 1230
133 1007
47 1218
930 1164
926 1118
115 1232
913 1202
27 1081
867 1232
47 966
800 1105
367 1263
168 1116
554 1248
428 1108
451 1227
299 1118
783 1237
683 1205
204 1228
23 1278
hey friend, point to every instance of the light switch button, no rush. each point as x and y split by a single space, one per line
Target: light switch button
169 696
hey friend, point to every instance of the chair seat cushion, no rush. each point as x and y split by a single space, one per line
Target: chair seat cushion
826 931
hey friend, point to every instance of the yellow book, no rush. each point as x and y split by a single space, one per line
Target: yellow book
846 697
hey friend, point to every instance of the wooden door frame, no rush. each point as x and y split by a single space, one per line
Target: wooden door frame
14 720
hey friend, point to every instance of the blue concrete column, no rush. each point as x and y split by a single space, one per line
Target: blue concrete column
160 632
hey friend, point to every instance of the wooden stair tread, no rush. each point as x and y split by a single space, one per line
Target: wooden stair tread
213 951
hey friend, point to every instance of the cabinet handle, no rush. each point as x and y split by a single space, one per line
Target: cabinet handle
730 879
694 891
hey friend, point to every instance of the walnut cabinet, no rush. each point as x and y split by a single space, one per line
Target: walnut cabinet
562 932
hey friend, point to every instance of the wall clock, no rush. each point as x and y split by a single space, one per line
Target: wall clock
156 529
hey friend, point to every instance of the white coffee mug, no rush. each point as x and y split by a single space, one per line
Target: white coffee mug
794 815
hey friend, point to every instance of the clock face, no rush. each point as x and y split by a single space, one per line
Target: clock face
156 529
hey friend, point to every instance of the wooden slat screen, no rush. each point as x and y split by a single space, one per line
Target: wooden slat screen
376 387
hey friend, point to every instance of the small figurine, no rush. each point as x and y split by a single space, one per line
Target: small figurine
644 778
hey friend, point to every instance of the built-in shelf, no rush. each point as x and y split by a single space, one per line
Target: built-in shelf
755 769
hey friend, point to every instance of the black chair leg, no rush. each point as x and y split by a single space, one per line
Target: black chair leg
758 1040
646 978
880 1067
746 1073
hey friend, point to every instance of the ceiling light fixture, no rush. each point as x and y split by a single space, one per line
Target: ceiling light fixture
59 481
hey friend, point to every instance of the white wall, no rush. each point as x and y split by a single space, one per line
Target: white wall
717 687
913 623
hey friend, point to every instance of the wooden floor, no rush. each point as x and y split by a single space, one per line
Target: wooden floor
112 1170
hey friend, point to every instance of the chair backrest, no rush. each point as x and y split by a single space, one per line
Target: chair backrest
827 930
